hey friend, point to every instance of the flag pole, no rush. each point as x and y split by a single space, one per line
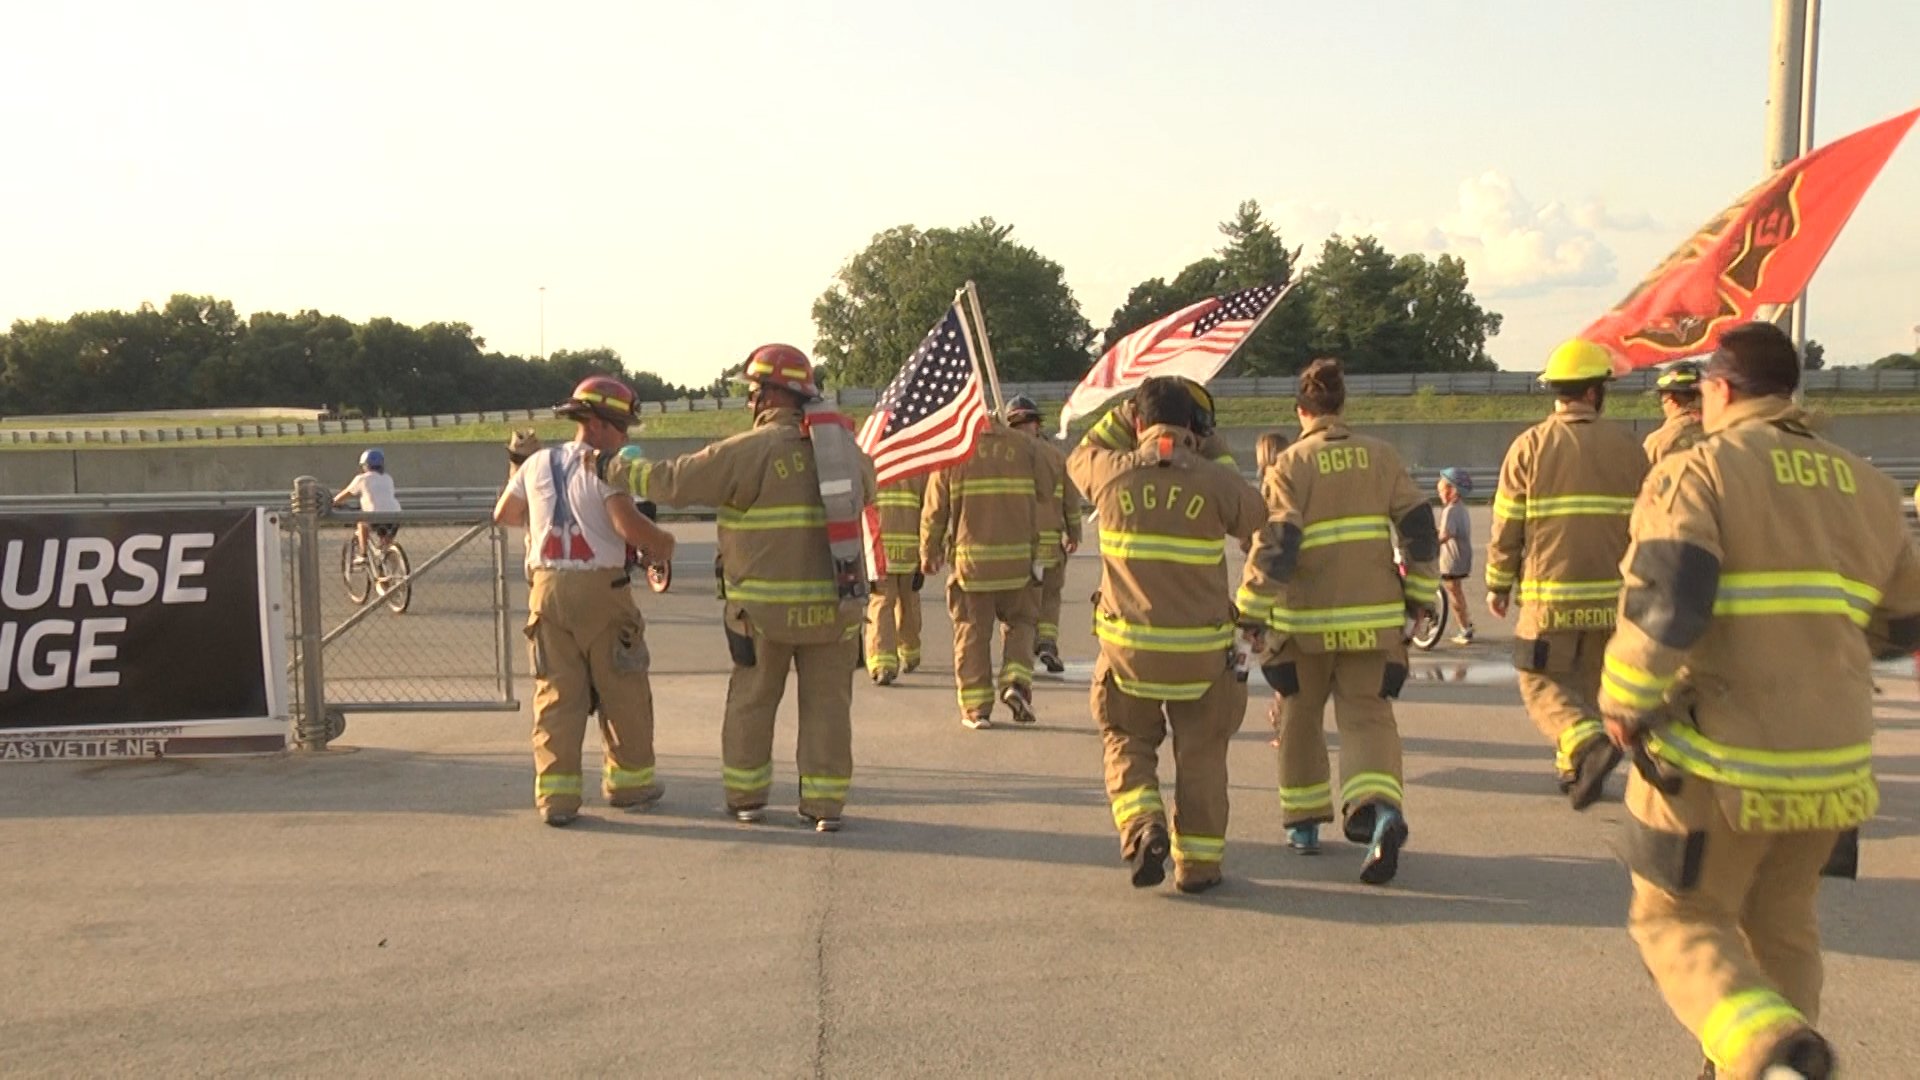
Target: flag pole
966 332
986 348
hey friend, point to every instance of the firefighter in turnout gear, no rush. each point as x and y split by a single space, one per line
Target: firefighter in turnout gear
1322 585
588 640
1118 429
1165 621
1679 390
893 611
985 517
1559 529
1767 567
783 607
1059 535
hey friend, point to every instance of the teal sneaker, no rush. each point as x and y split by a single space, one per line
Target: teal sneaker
1383 858
1304 839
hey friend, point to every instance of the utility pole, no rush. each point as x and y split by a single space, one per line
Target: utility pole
543 322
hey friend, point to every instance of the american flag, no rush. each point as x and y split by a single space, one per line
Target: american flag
932 413
1195 342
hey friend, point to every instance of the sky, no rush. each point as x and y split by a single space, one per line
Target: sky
681 181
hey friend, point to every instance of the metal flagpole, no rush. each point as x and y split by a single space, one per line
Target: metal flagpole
986 348
966 331
1809 62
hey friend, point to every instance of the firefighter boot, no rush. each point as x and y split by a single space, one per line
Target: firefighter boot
821 824
1803 1055
1592 763
1194 879
1020 700
883 676
748 815
559 819
1304 839
1149 858
1049 654
637 798
1383 858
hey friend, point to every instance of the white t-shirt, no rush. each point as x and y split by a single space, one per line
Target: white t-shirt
376 492
587 497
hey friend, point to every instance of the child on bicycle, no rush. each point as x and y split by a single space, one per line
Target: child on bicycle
375 489
1456 546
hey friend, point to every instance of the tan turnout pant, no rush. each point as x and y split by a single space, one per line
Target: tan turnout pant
893 625
1052 584
1736 955
586 636
1131 730
825 750
974 615
1563 700
1361 686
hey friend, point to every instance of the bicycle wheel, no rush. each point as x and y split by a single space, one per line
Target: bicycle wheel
1427 634
660 577
356 577
392 580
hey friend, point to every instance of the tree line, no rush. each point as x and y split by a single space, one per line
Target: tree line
1376 311
197 352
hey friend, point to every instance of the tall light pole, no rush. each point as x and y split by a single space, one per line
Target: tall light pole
543 322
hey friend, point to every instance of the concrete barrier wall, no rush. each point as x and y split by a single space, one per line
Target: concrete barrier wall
1474 444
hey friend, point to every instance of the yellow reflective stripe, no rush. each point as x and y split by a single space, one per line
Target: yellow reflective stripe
557 784
1169 639
1111 433
747 779
1158 547
1012 674
759 518
1576 736
1796 592
1333 620
909 654
1740 1018
1418 587
1509 506
1224 459
1761 770
640 479
971 696
883 661
1159 691
994 584
760 590
1345 530
1631 685
1360 785
617 777
825 787
1049 536
906 499
983 552
1547 592
1187 848
1046 631
999 485
1578 506
1252 605
1310 797
1131 804
1499 580
900 553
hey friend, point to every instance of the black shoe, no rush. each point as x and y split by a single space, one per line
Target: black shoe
1383 859
1049 657
1193 887
1803 1055
1150 857
1019 704
1595 761
559 819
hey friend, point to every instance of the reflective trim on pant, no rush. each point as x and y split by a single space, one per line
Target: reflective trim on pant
1737 955
1561 699
1370 753
1131 730
975 614
893 624
825 788
823 684
576 623
618 779
1052 585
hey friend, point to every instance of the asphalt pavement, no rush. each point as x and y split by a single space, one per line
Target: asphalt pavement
394 907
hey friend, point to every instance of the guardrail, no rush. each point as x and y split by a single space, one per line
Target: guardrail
1470 383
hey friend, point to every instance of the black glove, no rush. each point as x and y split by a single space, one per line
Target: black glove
919 580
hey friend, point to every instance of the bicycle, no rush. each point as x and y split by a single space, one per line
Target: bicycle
1425 632
385 572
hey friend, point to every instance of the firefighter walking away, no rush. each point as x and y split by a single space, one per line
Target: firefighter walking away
893 612
1059 533
1165 620
1767 568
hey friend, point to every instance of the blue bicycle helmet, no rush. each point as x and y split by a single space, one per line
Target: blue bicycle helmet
373 459
1458 477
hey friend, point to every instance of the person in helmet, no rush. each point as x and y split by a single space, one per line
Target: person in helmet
783 608
374 488
1059 533
589 641
1456 545
1560 512
1679 390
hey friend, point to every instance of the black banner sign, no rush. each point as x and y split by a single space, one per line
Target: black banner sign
116 619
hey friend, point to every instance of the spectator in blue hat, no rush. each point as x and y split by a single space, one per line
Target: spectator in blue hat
1456 545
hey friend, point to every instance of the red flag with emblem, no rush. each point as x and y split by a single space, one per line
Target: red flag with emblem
1758 252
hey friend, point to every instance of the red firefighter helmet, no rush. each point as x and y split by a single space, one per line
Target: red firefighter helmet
603 396
780 365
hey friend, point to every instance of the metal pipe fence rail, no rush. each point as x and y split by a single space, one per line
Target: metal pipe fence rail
1470 383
